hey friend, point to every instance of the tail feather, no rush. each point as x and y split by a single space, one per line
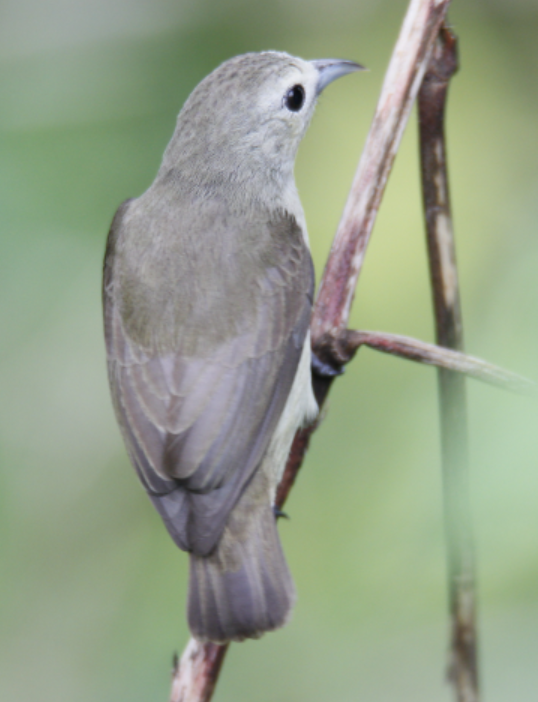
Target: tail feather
244 588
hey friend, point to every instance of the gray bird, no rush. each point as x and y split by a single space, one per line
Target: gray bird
207 292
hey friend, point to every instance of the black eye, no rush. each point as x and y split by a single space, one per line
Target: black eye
294 98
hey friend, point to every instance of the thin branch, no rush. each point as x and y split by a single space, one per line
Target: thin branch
195 675
349 342
407 66
400 88
463 669
195 678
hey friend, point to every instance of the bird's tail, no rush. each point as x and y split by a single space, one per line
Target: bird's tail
244 587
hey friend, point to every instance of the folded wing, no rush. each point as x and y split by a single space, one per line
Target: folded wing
197 425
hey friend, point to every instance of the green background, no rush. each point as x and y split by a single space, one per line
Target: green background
92 590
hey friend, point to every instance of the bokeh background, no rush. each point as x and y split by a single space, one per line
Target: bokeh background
92 590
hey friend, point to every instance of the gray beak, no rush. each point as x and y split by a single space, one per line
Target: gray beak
331 69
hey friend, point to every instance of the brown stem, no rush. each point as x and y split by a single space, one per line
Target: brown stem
407 66
343 347
195 675
400 88
463 670
194 679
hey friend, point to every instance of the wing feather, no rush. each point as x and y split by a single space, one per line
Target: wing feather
197 425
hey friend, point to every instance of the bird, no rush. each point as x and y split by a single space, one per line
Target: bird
208 288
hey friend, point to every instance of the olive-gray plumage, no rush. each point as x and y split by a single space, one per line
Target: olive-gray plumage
207 291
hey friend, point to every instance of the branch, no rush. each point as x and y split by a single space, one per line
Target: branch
195 677
344 347
400 88
200 666
463 669
407 66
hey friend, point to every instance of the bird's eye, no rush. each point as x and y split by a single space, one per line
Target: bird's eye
294 98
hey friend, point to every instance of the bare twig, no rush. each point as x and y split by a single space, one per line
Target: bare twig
195 681
348 343
463 669
407 66
400 88
195 675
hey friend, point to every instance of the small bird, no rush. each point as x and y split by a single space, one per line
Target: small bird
207 293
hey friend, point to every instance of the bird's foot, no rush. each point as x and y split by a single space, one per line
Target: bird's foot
279 513
324 370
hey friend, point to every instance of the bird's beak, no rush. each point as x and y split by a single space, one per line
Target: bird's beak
331 69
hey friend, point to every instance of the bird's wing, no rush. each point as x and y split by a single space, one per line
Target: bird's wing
197 427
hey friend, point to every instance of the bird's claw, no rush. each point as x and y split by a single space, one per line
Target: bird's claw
325 370
279 513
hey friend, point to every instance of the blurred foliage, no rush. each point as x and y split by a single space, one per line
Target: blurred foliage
92 590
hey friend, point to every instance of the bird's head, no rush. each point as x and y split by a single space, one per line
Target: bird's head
245 120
